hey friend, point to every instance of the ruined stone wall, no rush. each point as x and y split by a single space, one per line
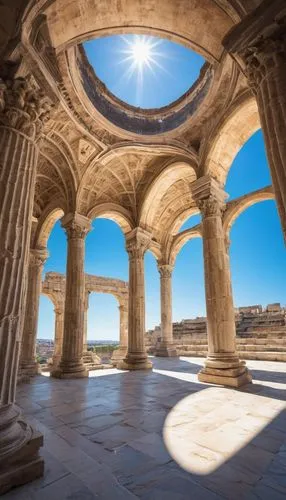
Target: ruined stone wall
261 334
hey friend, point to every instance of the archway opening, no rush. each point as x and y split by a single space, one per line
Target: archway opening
105 257
249 170
133 67
257 256
152 292
46 332
103 330
56 262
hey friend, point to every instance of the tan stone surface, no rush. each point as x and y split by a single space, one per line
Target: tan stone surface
75 164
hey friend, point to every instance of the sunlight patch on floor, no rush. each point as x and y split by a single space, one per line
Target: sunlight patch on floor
207 428
106 371
187 377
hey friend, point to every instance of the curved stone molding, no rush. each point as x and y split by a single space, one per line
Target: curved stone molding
136 120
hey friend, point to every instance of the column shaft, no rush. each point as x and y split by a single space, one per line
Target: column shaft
120 353
222 365
59 333
136 244
166 347
21 118
86 305
28 364
71 364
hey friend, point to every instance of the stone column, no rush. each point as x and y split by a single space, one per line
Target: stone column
59 333
28 364
222 364
137 242
86 305
120 353
22 112
258 44
71 364
166 347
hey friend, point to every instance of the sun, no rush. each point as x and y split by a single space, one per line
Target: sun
141 51
140 57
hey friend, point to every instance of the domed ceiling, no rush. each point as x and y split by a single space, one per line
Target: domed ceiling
143 84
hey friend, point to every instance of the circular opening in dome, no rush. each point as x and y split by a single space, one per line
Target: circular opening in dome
144 71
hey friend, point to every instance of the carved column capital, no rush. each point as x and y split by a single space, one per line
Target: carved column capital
38 257
22 107
76 226
258 42
209 196
137 242
59 309
165 270
263 55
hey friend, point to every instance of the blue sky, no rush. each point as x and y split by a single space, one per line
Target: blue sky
257 255
173 71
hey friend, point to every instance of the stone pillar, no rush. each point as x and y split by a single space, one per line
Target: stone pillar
28 364
59 333
22 112
120 353
166 347
137 242
258 43
222 364
71 364
86 305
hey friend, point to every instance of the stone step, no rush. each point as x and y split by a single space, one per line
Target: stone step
266 347
255 355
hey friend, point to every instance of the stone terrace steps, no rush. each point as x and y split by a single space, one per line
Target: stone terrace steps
271 349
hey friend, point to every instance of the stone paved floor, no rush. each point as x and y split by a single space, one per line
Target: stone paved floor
159 435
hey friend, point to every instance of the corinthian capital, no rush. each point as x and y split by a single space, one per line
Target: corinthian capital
165 270
38 257
209 196
137 242
23 108
258 42
76 226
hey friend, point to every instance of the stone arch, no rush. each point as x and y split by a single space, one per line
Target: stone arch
159 186
115 213
180 220
232 133
239 205
83 21
46 223
181 239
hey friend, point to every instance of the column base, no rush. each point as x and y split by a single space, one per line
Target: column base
118 355
30 368
20 462
225 371
135 361
166 351
55 361
69 370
